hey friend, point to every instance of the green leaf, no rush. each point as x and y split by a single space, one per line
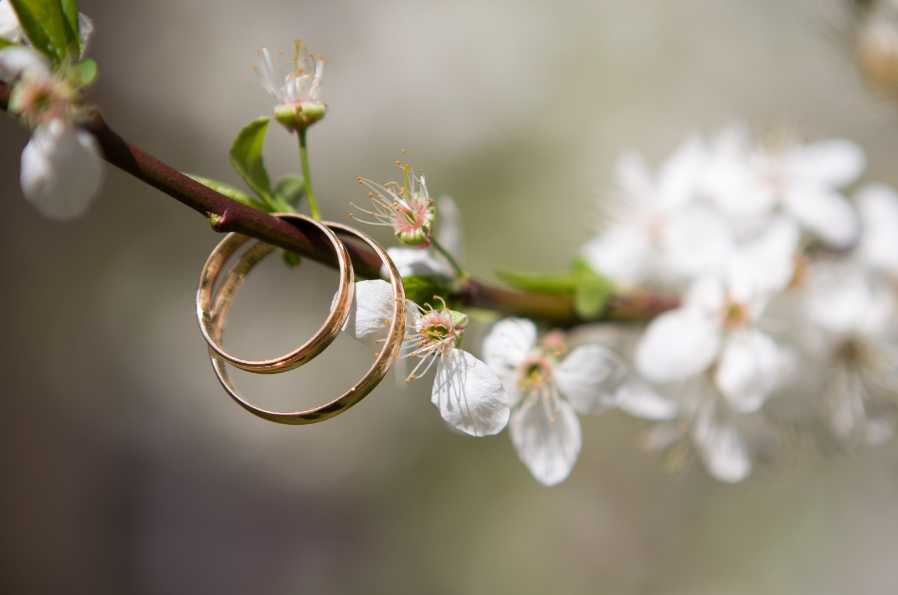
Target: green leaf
421 289
291 259
591 291
231 192
46 25
70 11
86 71
290 188
5 42
246 157
539 282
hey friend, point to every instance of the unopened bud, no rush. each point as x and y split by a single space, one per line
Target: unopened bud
299 115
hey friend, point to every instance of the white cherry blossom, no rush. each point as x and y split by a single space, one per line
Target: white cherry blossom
657 230
801 180
717 323
546 393
468 394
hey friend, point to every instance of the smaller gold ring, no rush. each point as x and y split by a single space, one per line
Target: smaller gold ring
382 363
308 350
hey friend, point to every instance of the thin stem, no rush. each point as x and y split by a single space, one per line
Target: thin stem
462 275
306 176
231 215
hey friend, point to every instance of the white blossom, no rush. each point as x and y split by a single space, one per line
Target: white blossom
546 393
468 394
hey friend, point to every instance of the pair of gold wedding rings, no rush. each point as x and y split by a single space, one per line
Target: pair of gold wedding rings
213 300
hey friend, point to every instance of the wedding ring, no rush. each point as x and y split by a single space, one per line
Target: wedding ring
382 363
308 350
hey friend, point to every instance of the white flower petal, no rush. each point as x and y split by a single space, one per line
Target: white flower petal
751 366
546 435
841 300
823 211
417 261
16 61
766 265
837 161
9 22
878 208
697 242
724 453
681 173
449 232
60 170
677 345
621 253
639 399
371 313
589 378
504 350
469 395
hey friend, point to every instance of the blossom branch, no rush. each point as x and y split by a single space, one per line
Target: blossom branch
228 215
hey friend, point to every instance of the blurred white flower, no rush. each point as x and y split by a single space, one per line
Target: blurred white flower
10 28
468 394
800 179
60 166
656 230
546 393
878 208
60 170
718 323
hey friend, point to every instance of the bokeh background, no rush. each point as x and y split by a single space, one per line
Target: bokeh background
124 468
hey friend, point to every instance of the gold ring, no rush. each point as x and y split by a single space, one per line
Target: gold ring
382 363
308 350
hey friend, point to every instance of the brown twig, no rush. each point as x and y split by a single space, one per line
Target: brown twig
553 309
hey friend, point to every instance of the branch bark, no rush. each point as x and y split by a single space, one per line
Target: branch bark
557 310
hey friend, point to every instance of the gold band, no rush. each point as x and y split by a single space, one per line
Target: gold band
311 348
378 370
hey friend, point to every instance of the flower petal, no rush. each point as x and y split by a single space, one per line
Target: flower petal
836 161
19 61
371 313
546 434
680 174
621 253
824 211
677 345
469 395
60 170
724 453
639 399
766 265
697 242
10 29
589 378
504 350
449 231
878 207
417 261
751 366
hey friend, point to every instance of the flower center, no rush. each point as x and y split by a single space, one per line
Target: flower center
734 315
536 370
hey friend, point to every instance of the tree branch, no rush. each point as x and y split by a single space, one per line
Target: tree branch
554 309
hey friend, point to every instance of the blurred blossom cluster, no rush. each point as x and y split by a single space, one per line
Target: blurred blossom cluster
787 295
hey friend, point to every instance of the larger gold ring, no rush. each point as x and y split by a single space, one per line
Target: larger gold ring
308 350
382 363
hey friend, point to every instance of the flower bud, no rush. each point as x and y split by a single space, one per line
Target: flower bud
299 115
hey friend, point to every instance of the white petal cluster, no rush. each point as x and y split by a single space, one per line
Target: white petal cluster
546 392
787 294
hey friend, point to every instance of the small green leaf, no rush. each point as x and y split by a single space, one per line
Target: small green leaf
421 289
70 11
290 188
5 42
539 282
246 157
86 71
46 25
292 259
231 192
591 291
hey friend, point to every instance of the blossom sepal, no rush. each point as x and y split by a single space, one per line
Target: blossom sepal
299 115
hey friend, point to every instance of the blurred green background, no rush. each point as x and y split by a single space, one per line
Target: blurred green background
126 469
